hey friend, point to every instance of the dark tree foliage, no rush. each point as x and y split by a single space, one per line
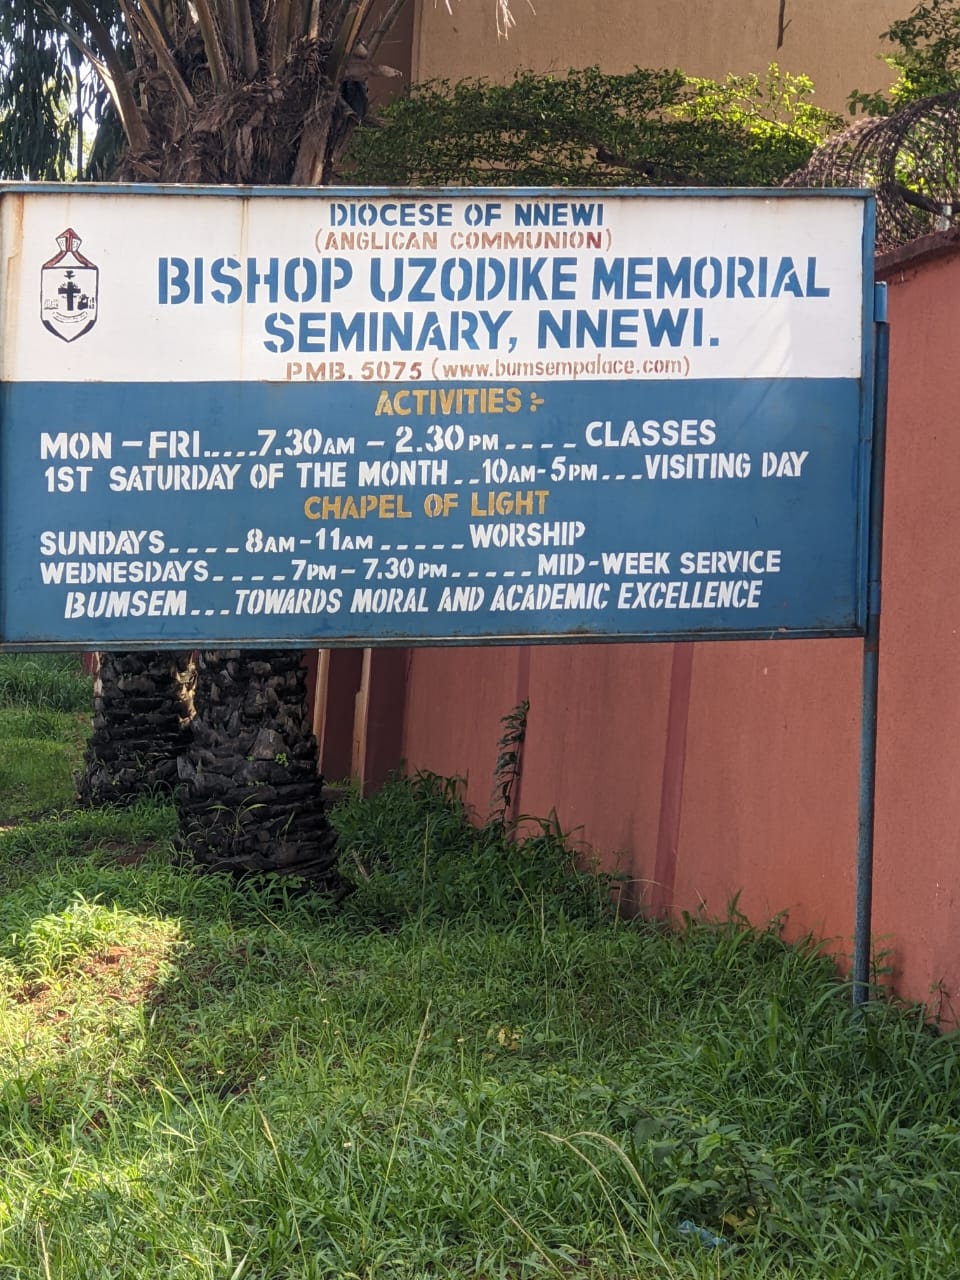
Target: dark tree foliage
238 91
588 128
926 56
49 96
907 145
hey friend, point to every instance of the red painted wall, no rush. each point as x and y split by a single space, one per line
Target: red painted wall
699 771
918 837
710 772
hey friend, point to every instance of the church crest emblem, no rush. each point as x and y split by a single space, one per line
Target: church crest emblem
69 284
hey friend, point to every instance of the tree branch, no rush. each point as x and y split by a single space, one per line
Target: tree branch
917 200
313 19
109 67
249 57
225 15
278 38
216 58
157 22
155 38
385 26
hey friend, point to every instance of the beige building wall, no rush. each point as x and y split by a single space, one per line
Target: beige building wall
836 42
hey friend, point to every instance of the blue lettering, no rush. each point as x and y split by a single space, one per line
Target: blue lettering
174 275
381 292
274 325
550 326
667 325
708 277
221 275
558 214
313 331
564 278
587 215
638 278
335 273
595 330
608 278
813 289
418 291
786 280
624 330
739 273
293 267
531 215
494 324
398 331
673 279
450 291
530 282
345 334
270 278
431 335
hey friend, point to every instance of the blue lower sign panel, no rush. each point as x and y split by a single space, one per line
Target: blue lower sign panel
284 427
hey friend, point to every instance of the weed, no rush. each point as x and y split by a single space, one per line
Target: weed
506 771
412 852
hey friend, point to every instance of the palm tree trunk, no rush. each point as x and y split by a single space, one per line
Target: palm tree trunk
142 703
250 794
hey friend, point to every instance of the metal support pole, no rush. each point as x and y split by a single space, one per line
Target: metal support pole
871 659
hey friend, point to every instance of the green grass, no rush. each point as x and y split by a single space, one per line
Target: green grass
45 704
472 1068
38 753
45 682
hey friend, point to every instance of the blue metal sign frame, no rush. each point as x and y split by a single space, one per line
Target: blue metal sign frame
443 467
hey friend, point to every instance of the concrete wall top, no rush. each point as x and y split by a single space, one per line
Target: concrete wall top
837 45
895 264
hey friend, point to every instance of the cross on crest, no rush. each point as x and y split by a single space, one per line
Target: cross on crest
69 286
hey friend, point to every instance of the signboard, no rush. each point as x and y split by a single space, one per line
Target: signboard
236 417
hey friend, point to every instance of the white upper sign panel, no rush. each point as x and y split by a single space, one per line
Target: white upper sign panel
182 286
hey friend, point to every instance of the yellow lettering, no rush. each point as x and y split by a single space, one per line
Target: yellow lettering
507 502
